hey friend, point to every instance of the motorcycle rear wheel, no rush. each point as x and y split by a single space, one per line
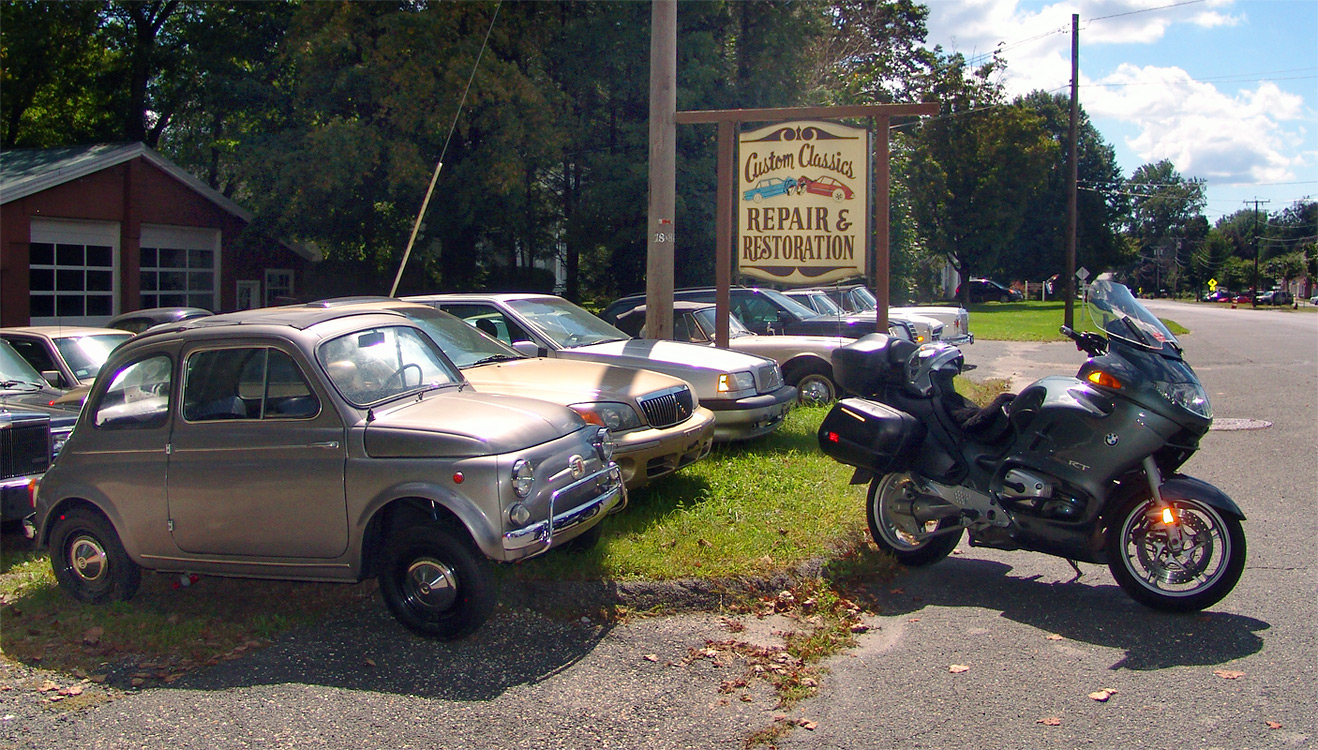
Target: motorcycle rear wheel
1185 575
896 531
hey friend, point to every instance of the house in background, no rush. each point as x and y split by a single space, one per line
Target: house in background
88 232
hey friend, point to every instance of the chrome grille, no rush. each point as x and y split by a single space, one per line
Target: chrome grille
26 449
668 408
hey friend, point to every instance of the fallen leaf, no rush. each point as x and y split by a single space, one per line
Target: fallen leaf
1274 725
1055 637
859 627
807 725
47 686
71 690
369 661
1228 674
651 657
956 551
958 668
914 619
1102 695
1050 721
704 543
896 591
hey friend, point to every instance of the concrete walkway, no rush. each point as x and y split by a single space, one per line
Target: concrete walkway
1021 362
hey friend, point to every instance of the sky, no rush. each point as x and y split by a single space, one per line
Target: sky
1225 89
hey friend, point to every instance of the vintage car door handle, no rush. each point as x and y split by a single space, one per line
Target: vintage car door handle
325 444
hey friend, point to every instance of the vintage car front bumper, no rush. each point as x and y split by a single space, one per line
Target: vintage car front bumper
750 417
572 509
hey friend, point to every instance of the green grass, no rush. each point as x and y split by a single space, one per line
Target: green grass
1031 321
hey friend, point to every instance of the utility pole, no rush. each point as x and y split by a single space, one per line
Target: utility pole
1254 297
663 169
1068 316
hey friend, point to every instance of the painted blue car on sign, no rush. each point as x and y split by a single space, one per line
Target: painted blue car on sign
769 187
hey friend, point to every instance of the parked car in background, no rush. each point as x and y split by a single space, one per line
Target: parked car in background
35 427
1243 298
768 311
655 420
987 290
924 328
857 299
806 361
67 356
1219 295
317 445
1276 297
746 393
140 320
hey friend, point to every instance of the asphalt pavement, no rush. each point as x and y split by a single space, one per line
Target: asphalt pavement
1033 643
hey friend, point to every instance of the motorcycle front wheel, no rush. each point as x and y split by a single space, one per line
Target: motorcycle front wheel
1181 566
895 529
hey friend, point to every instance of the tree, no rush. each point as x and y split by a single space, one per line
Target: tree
1162 212
1039 250
973 168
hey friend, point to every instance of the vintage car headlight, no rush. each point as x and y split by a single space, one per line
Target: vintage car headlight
603 443
1189 396
735 381
610 414
523 477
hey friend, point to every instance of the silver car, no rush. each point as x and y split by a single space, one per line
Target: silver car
318 445
746 393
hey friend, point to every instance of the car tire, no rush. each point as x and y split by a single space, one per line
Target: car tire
815 385
89 561
1004 298
435 583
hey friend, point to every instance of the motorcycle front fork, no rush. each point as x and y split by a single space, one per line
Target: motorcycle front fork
1161 511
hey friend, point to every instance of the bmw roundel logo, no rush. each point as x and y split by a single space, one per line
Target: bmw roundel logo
1111 438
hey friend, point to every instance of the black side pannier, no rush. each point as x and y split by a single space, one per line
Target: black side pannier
870 435
865 366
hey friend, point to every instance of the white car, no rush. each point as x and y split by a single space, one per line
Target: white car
857 298
746 392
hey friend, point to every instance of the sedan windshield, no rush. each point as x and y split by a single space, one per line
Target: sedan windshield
377 364
464 344
15 372
708 317
564 323
85 354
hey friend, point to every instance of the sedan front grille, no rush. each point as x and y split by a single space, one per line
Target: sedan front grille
26 449
668 408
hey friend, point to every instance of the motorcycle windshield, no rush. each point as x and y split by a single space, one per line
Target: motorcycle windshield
1115 311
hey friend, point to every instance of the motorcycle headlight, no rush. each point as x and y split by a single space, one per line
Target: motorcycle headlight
1189 396
523 477
735 381
613 415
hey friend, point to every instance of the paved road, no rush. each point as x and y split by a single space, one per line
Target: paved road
526 681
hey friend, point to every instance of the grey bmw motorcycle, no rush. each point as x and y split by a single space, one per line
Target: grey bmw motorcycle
1084 467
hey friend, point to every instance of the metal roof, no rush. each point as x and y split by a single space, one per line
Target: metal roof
25 172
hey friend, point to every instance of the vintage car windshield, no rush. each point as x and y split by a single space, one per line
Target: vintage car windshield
709 322
564 323
85 354
826 302
15 372
464 344
1116 312
378 364
863 299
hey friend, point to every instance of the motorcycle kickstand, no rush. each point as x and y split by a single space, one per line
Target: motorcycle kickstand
1076 568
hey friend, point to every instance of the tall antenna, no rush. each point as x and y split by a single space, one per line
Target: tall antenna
425 203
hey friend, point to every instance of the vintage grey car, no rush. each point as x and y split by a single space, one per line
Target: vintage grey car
806 361
858 299
746 392
318 445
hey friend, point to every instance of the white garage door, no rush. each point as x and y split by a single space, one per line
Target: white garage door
180 267
73 271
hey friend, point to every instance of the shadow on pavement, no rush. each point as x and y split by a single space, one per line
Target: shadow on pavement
1086 610
368 650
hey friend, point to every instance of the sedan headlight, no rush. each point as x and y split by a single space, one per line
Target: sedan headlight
610 414
1189 396
523 477
735 381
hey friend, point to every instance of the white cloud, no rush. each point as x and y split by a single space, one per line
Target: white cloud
1243 138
